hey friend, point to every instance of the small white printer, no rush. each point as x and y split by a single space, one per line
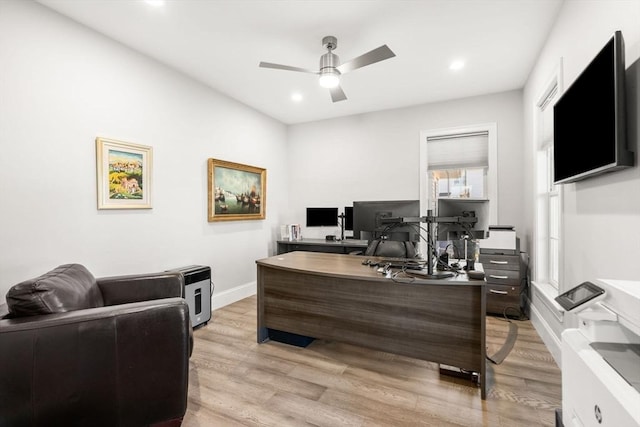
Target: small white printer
601 360
501 240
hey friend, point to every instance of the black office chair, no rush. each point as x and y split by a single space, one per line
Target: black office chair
391 249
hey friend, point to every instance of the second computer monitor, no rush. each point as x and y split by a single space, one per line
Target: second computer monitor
348 218
478 208
369 220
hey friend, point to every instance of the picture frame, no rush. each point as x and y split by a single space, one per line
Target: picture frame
236 191
123 174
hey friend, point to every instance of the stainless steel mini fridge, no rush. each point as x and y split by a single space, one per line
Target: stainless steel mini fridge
197 291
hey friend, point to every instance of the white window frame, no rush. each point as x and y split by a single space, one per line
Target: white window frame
548 230
492 173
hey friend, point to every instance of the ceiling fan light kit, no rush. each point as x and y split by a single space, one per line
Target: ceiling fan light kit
329 78
331 69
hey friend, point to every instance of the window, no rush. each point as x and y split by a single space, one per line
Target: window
459 163
548 195
458 183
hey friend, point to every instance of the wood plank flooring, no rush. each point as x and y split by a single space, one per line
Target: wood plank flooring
234 381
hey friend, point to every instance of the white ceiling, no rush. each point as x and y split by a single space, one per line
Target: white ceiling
221 42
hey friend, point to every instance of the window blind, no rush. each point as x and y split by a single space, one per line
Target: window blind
545 125
458 151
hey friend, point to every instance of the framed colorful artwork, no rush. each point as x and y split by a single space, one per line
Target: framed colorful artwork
236 191
124 174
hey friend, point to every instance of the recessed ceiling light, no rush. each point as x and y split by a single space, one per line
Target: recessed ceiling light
155 3
296 97
456 65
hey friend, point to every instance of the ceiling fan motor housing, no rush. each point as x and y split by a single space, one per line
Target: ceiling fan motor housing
329 61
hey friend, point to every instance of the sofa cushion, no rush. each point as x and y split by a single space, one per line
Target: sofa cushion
66 288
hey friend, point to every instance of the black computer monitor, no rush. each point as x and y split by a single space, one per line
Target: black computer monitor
348 218
319 217
369 220
478 208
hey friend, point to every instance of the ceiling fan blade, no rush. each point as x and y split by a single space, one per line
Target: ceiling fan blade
376 55
285 67
337 94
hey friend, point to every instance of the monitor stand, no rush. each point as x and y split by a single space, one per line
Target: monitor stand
427 275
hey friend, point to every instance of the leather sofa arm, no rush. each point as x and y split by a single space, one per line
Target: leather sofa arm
106 366
4 310
140 287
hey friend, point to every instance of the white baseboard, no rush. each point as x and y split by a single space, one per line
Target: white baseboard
547 317
546 334
221 299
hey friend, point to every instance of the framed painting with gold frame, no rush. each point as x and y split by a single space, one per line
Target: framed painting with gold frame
236 191
123 174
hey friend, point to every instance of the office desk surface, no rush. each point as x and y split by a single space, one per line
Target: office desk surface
336 297
328 264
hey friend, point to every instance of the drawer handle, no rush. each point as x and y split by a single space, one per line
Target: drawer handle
498 277
493 291
498 262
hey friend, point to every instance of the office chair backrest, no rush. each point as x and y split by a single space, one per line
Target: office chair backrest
391 249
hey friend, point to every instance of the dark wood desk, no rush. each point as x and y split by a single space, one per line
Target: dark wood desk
336 297
321 245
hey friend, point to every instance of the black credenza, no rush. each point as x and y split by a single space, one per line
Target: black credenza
321 245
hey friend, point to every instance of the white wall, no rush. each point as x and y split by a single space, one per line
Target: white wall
61 86
600 216
375 156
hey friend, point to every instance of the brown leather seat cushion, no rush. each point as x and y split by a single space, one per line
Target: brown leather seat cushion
66 288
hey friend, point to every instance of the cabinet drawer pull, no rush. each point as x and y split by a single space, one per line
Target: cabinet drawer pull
498 262
493 291
493 276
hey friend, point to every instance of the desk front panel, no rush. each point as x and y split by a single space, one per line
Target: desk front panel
440 322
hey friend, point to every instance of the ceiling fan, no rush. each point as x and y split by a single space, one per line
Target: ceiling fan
331 69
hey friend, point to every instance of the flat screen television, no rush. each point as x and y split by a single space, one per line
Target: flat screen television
589 119
369 224
319 217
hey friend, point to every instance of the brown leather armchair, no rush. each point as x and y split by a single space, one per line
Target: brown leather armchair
81 351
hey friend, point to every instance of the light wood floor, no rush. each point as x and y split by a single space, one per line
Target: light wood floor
236 382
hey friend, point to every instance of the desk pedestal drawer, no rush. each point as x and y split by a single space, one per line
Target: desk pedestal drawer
500 262
502 277
500 297
505 276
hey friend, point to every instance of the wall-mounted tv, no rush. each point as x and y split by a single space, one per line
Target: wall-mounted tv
319 217
589 119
